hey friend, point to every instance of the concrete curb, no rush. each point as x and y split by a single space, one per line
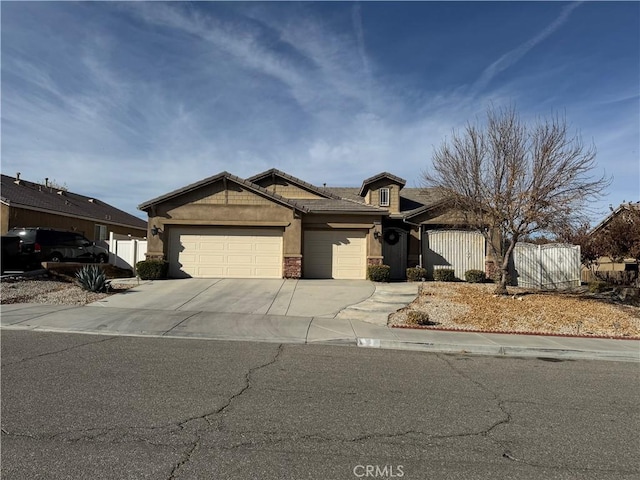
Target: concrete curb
428 347
501 350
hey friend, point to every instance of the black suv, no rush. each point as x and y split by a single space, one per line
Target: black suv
49 245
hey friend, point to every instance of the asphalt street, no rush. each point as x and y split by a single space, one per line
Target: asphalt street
83 406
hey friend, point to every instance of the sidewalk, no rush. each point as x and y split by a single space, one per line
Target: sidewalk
344 329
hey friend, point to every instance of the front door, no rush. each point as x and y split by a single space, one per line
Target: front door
394 251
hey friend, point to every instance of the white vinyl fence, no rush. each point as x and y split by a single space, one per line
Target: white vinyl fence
552 266
125 251
460 250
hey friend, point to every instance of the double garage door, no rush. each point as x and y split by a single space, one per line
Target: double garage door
225 252
335 254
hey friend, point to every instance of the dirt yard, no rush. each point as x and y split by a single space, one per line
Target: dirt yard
466 306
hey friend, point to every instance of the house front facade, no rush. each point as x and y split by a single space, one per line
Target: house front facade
274 225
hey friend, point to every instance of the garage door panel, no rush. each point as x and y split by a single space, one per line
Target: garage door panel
225 253
335 254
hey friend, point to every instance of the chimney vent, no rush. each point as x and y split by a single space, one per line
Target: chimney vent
17 180
46 182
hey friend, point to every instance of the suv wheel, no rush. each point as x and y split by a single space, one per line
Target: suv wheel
55 257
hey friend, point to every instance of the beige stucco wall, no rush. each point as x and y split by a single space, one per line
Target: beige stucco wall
214 206
373 195
286 189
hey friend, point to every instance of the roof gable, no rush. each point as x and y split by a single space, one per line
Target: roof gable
21 193
401 182
225 177
268 178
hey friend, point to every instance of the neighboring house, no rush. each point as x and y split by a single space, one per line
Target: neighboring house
606 264
274 225
29 204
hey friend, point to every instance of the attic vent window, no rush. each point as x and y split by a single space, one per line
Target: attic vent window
384 197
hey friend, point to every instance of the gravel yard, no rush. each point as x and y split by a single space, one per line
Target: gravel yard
466 306
51 291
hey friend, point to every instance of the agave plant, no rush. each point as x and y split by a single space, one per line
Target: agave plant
93 279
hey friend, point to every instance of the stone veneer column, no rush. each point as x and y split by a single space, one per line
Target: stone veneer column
374 261
293 267
490 267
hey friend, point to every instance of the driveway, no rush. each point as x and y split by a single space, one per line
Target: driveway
295 298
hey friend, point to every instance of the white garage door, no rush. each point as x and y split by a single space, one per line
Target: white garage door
225 253
335 254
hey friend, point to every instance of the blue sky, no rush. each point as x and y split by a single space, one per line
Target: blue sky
127 101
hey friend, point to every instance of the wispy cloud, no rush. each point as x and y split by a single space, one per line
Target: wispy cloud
513 56
145 97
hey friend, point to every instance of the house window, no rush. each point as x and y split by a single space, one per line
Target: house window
384 197
99 233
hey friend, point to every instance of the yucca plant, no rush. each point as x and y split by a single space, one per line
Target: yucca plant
93 279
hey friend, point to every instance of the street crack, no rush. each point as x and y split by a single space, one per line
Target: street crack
247 385
57 351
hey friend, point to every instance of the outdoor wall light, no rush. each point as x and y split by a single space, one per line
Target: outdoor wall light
377 235
155 230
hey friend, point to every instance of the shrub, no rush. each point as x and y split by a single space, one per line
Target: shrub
152 269
415 273
93 279
415 317
444 275
379 273
598 286
474 276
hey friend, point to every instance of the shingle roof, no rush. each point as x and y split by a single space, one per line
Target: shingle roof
209 180
332 205
36 196
411 199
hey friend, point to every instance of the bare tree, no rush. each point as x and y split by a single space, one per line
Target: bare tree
511 179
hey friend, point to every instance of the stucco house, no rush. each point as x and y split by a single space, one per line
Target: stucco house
274 225
30 204
606 266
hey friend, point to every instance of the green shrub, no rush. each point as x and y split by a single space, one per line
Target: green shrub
93 279
474 276
598 286
152 269
444 275
415 273
379 273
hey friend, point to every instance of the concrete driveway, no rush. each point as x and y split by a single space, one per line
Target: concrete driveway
295 298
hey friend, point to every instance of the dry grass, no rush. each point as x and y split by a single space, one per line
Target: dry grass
474 307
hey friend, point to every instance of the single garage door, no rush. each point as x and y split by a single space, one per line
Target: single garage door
335 254
225 253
